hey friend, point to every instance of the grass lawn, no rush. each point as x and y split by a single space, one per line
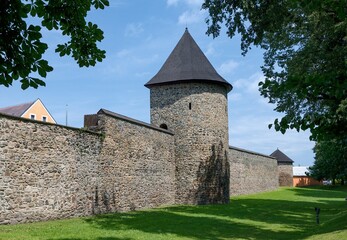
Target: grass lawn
287 213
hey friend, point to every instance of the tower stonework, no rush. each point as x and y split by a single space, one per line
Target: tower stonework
189 98
116 163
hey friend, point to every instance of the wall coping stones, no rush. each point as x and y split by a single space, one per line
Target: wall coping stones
133 121
47 123
250 152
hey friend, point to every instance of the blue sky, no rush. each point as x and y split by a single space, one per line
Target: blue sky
139 36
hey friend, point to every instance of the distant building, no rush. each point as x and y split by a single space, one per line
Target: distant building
301 179
285 168
33 110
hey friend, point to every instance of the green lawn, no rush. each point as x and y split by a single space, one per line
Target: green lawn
287 213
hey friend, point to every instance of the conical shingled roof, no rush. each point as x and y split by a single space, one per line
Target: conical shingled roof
281 157
187 63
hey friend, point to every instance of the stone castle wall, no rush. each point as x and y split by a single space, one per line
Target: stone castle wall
251 172
285 174
49 171
137 164
46 171
197 114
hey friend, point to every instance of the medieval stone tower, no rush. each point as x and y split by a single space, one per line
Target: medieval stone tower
50 171
189 98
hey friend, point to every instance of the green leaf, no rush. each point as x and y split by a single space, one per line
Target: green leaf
42 72
15 75
25 83
100 3
47 23
33 84
25 44
39 82
25 10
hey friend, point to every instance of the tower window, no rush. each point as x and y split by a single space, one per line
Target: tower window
164 126
190 106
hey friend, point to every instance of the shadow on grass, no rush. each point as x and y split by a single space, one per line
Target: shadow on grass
321 191
166 222
100 238
242 218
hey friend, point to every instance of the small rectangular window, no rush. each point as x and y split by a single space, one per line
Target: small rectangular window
44 118
32 116
190 106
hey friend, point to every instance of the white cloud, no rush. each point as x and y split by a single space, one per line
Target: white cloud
187 2
253 86
143 74
123 53
234 97
210 50
250 131
228 67
249 85
249 117
193 12
117 65
144 61
116 3
172 2
194 2
133 29
191 16
113 69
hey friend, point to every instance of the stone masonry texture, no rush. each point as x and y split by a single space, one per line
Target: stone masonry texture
49 171
197 114
116 164
136 166
46 171
251 172
285 174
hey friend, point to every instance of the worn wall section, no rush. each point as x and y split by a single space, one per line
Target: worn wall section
49 171
137 167
251 172
285 173
46 171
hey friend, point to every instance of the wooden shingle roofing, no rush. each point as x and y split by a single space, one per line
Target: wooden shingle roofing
281 157
187 63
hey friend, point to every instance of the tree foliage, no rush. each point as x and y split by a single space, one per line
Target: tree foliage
21 48
330 160
305 57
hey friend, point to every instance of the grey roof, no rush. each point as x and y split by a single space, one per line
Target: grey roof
17 110
131 120
248 151
187 63
281 157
